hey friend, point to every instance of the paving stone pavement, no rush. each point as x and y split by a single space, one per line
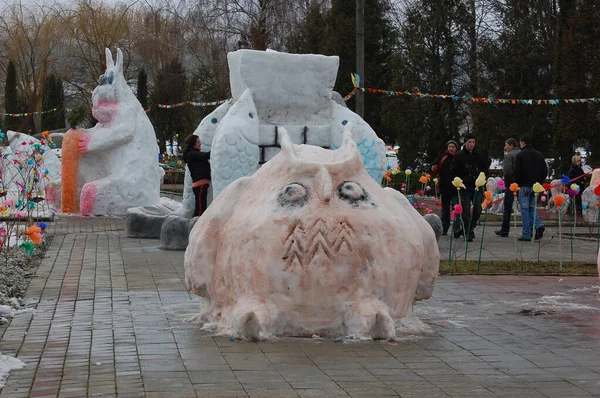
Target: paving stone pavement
109 314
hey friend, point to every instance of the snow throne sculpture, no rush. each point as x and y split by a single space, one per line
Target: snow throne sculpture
114 165
310 243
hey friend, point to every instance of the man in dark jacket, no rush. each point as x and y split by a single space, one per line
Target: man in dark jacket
576 172
467 164
441 168
511 147
530 167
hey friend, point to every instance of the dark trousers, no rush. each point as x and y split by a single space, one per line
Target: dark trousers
201 195
477 200
446 201
509 199
577 203
466 199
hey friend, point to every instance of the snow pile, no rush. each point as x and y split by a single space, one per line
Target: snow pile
8 363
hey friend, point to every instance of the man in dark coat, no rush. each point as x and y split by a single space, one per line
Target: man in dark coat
530 167
467 164
441 168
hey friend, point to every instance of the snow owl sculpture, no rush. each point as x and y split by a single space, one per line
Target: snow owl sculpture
310 243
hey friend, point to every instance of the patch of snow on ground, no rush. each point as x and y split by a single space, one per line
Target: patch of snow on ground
8 363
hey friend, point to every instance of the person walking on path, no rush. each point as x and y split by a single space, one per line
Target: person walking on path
467 164
574 172
511 147
441 168
199 166
530 167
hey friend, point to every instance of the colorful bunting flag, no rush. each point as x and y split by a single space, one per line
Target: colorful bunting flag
468 98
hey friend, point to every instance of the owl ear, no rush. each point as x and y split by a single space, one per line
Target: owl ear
109 59
287 146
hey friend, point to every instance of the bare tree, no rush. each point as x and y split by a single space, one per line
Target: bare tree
29 37
90 28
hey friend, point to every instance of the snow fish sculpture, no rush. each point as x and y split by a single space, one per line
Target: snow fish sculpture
114 165
293 91
310 243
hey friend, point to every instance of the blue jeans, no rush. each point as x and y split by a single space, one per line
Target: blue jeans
529 214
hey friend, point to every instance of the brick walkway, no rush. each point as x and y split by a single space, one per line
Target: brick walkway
109 321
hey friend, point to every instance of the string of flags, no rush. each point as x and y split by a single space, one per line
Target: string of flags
391 93
162 106
25 114
192 103
482 100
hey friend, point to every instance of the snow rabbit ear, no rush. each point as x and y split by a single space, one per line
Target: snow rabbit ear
119 63
109 59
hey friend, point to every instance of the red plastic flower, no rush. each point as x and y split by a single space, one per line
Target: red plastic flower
597 190
420 192
547 186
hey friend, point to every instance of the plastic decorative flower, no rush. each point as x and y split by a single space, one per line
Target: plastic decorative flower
514 188
480 181
435 180
423 179
457 210
427 188
538 188
547 186
395 170
597 190
420 192
575 187
408 172
458 183
35 234
487 198
27 247
42 226
543 198
559 200
565 180
501 185
387 175
572 193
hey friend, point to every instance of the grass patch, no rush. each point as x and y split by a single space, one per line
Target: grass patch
461 267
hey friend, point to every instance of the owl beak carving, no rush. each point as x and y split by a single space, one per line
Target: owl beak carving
323 185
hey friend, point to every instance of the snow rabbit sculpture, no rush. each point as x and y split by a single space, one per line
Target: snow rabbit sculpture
114 165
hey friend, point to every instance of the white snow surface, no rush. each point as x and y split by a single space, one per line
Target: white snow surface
8 363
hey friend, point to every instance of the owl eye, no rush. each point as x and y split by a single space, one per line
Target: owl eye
293 195
352 193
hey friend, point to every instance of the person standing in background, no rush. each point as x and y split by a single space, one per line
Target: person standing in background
530 167
466 165
441 168
511 147
199 166
574 172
